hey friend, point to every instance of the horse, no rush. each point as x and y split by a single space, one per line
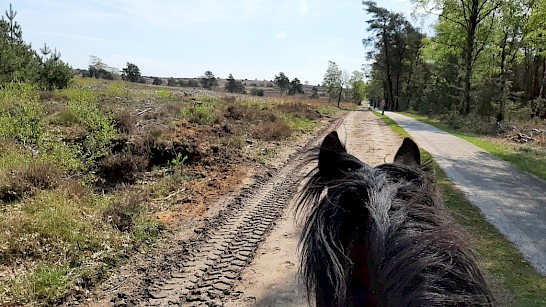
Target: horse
381 236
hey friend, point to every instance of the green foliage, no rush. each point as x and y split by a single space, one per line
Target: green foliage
257 92
234 86
282 81
21 115
199 113
208 81
164 94
55 74
101 129
131 73
295 87
99 70
19 63
332 77
394 48
157 81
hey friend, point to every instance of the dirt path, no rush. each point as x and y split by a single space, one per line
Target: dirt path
245 254
511 200
271 279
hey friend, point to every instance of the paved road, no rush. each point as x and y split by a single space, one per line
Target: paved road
511 200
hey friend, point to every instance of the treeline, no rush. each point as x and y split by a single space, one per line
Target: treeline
131 73
20 63
487 58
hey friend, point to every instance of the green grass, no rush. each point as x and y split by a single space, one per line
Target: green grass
524 157
329 110
300 124
513 280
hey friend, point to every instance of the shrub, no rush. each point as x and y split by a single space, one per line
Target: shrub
272 131
249 114
123 209
257 92
28 179
100 126
157 81
299 110
55 74
125 122
199 113
21 114
121 167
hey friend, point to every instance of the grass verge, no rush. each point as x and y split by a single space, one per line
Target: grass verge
513 280
525 157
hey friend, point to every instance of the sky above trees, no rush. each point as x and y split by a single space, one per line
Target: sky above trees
247 38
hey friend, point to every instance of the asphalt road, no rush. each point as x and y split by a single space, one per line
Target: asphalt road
512 200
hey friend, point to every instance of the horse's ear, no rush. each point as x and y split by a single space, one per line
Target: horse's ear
408 153
330 155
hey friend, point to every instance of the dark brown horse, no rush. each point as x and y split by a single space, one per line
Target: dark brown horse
381 236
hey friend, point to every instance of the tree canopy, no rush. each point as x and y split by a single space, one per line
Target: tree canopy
131 73
20 63
486 58
282 81
209 81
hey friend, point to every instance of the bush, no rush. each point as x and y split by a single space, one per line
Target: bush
300 110
249 114
125 122
121 167
157 81
55 74
272 131
100 126
27 180
199 113
21 114
123 210
257 92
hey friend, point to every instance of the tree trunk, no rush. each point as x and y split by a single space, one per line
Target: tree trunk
339 96
469 54
543 82
389 76
502 76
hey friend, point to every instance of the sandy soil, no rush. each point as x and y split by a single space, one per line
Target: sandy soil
272 277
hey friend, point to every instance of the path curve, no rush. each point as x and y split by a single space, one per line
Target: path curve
512 200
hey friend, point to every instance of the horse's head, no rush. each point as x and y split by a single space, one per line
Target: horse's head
380 235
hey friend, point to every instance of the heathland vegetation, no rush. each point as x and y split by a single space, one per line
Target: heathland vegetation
93 169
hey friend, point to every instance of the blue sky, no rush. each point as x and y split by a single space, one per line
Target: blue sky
248 38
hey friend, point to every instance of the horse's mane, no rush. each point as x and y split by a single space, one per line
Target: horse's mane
414 254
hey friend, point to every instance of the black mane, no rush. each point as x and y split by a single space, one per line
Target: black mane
382 236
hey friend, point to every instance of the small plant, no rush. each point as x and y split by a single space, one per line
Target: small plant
165 94
199 113
179 160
